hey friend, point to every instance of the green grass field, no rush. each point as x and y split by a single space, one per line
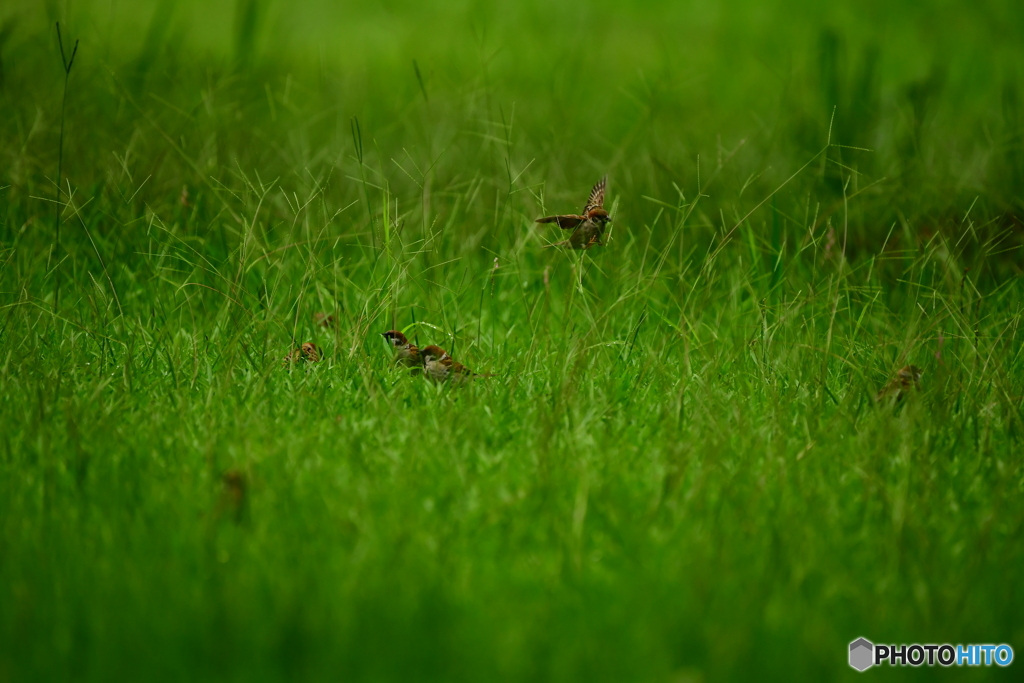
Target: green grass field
679 472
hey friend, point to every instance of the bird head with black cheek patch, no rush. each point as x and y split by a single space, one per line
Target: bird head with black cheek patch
599 216
395 338
911 373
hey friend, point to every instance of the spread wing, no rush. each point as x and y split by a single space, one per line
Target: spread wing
564 222
596 200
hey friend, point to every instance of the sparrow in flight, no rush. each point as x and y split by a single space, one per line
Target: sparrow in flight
907 378
440 367
406 353
308 352
588 227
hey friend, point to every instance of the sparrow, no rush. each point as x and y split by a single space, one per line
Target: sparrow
589 225
325 320
908 377
308 352
440 367
406 353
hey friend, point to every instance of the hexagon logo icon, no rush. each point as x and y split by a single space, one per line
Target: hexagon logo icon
862 654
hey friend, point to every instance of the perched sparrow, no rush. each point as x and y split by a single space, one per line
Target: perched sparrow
406 353
439 366
307 353
325 320
907 378
589 225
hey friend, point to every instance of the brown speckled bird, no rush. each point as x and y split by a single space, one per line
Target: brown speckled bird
440 367
406 353
307 353
908 377
587 227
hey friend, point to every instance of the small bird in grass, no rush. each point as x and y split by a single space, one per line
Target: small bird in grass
325 320
908 377
406 353
440 367
307 353
588 227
